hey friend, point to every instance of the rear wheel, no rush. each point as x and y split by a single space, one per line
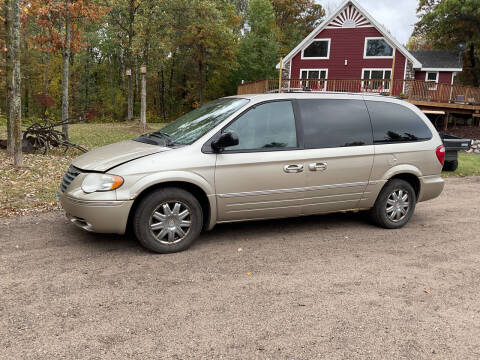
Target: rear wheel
168 220
395 204
451 165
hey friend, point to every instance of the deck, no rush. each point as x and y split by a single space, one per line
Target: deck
441 99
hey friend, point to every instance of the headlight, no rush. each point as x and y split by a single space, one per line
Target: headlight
101 182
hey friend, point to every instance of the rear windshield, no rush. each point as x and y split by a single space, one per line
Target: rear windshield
396 123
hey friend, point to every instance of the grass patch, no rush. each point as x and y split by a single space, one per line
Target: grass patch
32 189
468 165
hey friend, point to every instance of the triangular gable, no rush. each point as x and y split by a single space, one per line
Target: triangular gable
349 18
350 14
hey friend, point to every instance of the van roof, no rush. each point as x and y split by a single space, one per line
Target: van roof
313 94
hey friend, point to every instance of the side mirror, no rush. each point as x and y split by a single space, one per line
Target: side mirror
225 140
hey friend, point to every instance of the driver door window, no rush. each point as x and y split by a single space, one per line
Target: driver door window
268 126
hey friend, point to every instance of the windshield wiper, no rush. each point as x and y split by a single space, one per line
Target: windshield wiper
162 135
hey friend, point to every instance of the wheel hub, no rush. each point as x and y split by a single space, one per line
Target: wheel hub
170 222
397 205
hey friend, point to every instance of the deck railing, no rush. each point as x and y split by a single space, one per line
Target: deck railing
410 89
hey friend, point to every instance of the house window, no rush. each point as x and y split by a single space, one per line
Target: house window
318 49
433 78
312 74
377 48
376 80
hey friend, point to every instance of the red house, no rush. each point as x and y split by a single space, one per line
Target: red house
350 44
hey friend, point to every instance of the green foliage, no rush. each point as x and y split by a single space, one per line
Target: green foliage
444 24
191 48
259 49
296 19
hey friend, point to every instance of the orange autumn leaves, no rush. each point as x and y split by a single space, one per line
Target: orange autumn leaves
50 15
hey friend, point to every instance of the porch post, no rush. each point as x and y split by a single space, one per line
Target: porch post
445 123
392 76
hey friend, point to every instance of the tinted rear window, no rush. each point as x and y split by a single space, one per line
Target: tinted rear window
396 123
335 123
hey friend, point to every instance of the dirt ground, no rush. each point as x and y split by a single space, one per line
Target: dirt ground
331 287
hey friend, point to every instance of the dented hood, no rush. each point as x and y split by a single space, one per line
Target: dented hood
107 157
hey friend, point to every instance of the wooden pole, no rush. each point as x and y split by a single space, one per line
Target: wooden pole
280 76
392 76
143 101
445 124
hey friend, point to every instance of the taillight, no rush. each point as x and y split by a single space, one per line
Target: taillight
441 154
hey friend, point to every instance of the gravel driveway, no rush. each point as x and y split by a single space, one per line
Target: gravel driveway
330 287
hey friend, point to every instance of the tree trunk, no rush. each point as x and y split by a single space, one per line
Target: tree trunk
131 34
130 97
65 72
47 70
200 81
162 97
15 101
87 80
473 62
143 107
8 74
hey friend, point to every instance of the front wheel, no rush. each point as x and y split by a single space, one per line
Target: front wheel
395 204
168 220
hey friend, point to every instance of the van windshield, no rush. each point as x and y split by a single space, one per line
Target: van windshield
193 125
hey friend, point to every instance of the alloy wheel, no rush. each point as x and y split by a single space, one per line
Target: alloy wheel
170 222
397 205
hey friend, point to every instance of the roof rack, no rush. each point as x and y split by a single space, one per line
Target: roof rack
310 91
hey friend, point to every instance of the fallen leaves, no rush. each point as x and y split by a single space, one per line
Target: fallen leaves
32 189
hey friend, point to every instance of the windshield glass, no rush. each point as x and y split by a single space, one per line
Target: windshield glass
190 127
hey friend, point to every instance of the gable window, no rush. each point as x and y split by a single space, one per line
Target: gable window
312 74
377 48
433 78
318 49
376 80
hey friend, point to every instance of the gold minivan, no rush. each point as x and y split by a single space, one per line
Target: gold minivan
259 157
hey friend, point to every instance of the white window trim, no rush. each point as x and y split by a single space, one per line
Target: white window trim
319 71
432 72
375 69
318 58
433 87
377 57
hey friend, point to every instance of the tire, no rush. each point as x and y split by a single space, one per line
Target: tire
451 165
154 224
380 213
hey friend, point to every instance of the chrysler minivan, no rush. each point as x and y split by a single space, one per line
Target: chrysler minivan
259 157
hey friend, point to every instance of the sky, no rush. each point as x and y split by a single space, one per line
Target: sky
398 16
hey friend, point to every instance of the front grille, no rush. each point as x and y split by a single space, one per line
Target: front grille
69 176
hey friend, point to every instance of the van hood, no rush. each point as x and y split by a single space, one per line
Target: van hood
107 157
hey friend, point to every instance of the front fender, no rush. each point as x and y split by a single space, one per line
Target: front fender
141 184
168 176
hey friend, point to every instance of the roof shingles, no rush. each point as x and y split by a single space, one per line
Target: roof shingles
438 59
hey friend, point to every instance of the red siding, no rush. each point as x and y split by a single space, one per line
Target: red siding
444 77
348 44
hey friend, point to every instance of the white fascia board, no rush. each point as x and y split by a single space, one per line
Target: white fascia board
442 69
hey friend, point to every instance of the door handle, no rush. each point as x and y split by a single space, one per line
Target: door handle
320 166
296 168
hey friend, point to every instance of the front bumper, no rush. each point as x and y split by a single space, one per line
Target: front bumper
108 217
